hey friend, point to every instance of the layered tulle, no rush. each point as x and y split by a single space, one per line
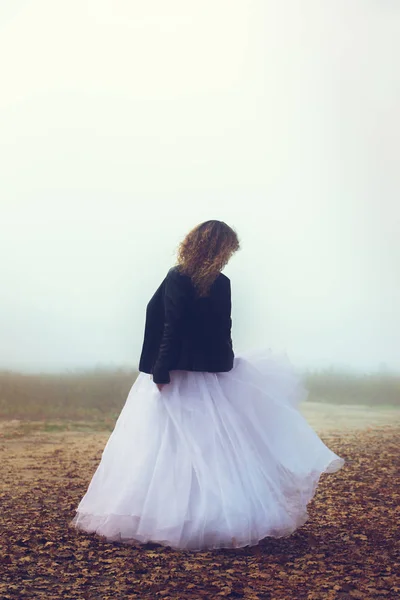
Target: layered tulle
214 460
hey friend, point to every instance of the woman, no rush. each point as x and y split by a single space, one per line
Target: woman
210 449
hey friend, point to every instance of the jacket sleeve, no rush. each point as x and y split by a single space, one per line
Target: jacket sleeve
223 308
226 315
175 295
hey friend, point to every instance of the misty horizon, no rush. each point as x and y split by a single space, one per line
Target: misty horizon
123 125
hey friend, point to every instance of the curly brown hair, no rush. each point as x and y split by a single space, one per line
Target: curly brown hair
204 252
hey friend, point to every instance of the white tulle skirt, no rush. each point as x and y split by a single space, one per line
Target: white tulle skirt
214 460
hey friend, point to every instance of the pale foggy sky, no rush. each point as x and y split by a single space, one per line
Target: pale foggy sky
125 123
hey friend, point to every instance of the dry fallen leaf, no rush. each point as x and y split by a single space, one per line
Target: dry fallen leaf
347 550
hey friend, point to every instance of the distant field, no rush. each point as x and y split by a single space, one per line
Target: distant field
80 396
98 395
343 388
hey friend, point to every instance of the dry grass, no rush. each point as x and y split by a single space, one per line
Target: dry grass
99 395
341 388
77 396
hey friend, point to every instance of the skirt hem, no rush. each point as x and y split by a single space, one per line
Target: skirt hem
93 524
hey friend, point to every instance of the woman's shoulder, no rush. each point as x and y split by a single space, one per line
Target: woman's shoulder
223 277
175 272
175 276
222 281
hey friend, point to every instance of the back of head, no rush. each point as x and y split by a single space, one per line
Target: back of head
204 252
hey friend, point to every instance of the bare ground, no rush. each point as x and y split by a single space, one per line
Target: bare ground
348 548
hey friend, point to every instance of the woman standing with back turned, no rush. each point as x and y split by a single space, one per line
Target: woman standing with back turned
210 449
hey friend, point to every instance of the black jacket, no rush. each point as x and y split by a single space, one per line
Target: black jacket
186 332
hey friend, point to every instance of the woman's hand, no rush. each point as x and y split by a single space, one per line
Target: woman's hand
159 385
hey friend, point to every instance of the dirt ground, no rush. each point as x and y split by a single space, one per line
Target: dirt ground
348 548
